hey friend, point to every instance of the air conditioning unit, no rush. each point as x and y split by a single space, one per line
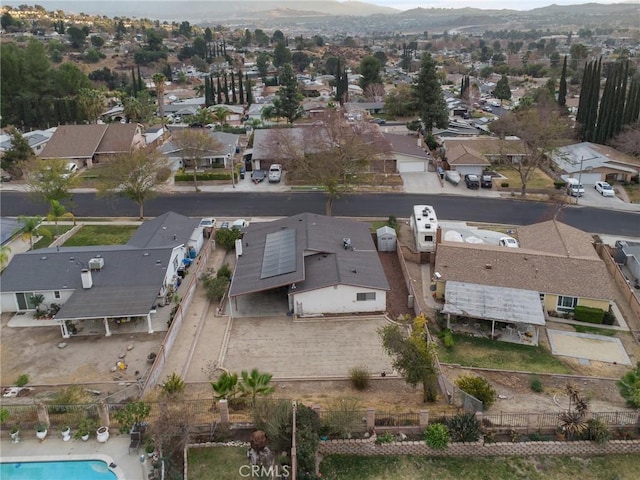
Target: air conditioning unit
96 263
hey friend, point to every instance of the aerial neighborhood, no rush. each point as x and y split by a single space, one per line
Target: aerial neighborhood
297 239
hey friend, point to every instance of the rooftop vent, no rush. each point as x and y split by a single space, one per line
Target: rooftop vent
488 266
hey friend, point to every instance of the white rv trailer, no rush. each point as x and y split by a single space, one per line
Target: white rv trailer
424 225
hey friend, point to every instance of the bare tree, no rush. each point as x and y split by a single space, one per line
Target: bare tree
48 180
134 175
336 155
541 128
195 144
628 141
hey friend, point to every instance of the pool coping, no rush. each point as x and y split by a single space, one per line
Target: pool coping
67 458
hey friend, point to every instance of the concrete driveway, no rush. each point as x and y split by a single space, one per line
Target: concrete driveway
592 198
306 348
429 183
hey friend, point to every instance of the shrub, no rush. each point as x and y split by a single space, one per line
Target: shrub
173 385
504 184
386 437
226 237
447 338
359 377
22 380
598 431
629 386
392 222
224 271
163 174
536 385
464 427
559 185
437 436
344 416
132 414
609 318
214 287
4 415
478 387
588 314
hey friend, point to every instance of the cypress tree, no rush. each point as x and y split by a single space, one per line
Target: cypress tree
247 82
582 102
240 88
562 89
632 106
212 90
226 90
134 84
234 98
140 84
207 98
219 92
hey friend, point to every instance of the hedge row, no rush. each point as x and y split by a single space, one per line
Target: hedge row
202 177
588 314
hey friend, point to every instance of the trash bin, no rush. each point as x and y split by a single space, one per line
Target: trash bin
441 172
242 172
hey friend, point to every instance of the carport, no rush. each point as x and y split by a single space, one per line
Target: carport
519 311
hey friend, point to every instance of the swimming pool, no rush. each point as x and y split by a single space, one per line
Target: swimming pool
62 470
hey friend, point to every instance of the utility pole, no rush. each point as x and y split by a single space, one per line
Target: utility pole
294 454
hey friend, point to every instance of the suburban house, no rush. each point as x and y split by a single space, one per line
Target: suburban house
556 261
409 152
315 265
37 140
591 163
111 283
283 145
227 146
473 155
89 144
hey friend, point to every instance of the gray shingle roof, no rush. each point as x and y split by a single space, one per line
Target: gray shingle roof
321 259
168 230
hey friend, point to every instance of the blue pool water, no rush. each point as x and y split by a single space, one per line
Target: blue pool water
63 470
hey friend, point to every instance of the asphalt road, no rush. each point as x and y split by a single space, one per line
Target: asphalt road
243 204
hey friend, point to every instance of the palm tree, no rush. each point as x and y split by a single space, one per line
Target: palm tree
255 384
5 252
58 211
30 226
91 102
158 82
221 113
226 388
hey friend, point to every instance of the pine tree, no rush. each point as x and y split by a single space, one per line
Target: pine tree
212 88
134 83
562 89
288 101
502 90
431 102
141 86
207 97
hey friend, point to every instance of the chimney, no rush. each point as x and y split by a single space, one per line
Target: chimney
87 280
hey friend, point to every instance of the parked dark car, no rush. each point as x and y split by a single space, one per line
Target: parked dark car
486 181
472 181
258 176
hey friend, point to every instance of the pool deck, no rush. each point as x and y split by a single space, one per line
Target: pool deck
115 450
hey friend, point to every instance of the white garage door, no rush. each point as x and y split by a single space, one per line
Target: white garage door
589 178
407 166
469 170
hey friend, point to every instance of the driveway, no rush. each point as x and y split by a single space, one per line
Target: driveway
429 183
306 348
592 198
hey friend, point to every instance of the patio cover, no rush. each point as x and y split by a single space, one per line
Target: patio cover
500 304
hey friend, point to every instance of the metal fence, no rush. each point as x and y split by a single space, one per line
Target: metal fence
395 419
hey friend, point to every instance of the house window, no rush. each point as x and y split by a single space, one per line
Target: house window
363 297
428 238
567 303
56 293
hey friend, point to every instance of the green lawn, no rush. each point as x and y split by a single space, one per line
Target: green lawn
538 179
221 463
621 467
481 352
44 242
101 235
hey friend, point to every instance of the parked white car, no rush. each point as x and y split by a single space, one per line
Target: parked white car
275 173
508 242
239 224
604 189
452 176
208 222
71 169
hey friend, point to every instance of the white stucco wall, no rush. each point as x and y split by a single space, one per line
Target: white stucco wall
9 303
338 299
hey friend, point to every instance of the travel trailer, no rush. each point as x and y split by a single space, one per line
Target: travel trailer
424 225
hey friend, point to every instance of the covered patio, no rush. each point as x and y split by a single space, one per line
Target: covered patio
506 314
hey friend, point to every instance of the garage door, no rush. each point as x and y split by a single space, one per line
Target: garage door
589 178
418 166
469 170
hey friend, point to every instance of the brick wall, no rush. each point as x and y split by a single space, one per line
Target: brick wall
580 448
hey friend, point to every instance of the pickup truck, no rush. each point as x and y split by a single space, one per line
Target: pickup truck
275 173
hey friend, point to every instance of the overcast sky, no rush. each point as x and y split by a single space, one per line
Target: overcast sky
484 4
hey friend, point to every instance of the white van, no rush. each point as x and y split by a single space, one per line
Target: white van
574 187
70 170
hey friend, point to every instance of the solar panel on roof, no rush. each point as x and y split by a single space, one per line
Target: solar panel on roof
279 255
